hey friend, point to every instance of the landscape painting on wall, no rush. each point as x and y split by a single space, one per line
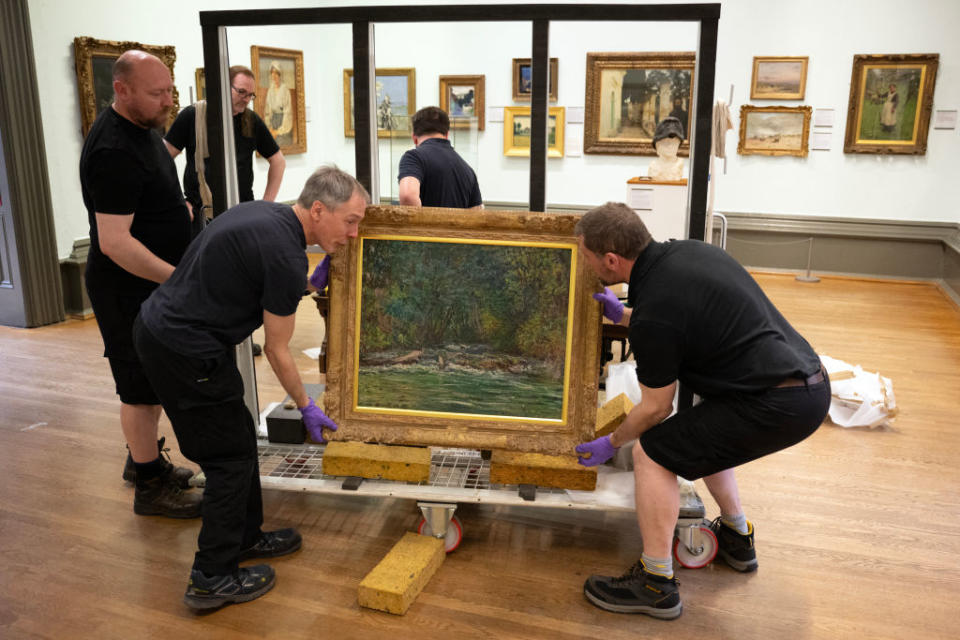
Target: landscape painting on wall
891 99
774 131
396 102
783 78
462 97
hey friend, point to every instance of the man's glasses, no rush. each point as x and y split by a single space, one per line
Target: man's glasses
244 94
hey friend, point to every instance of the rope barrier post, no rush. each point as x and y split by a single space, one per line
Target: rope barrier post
808 277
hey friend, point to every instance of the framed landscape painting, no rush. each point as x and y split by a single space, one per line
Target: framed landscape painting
783 78
396 102
94 64
278 78
462 97
523 79
627 96
891 99
516 131
774 131
475 330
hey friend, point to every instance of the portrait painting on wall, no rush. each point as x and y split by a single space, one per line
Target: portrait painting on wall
774 131
516 131
523 79
891 99
396 102
279 97
783 78
474 330
94 65
462 97
628 94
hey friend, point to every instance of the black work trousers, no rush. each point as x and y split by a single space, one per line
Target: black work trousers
203 397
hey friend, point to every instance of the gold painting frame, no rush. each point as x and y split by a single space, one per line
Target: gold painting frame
774 144
409 100
521 80
510 146
477 82
87 50
200 83
601 120
914 77
292 140
464 429
773 92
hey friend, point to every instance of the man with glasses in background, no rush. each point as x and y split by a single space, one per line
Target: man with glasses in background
249 134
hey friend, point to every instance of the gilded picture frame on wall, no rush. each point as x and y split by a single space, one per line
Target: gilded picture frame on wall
779 78
774 131
628 94
516 131
464 100
396 102
94 60
200 81
523 79
891 101
417 356
278 78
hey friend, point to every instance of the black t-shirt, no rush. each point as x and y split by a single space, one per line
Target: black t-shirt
446 180
183 134
699 317
249 259
126 169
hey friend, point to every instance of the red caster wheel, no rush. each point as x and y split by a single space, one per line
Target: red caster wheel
696 547
454 533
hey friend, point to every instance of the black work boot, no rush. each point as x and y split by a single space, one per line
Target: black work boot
210 592
272 544
162 496
735 548
637 591
182 475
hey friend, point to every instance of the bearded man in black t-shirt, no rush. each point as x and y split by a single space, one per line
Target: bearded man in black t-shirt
139 229
696 317
249 134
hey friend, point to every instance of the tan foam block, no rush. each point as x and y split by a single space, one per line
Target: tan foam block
380 461
610 415
398 579
563 472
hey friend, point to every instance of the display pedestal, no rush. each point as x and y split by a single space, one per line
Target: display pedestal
661 204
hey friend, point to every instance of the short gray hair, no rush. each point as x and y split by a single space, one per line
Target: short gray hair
332 187
613 228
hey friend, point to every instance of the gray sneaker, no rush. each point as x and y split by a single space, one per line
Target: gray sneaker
210 592
637 591
735 548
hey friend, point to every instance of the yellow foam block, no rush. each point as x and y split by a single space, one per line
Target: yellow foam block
407 464
610 415
564 472
398 579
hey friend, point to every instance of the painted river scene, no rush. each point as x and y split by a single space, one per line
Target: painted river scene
463 328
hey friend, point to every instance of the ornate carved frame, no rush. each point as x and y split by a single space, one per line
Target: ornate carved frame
478 84
410 73
300 126
596 64
524 96
86 48
466 430
747 109
756 94
918 144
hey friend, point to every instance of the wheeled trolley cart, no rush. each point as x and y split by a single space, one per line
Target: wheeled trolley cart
463 476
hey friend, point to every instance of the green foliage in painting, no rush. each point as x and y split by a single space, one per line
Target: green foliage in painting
422 295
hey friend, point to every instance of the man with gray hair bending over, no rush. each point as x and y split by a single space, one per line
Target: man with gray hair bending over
248 267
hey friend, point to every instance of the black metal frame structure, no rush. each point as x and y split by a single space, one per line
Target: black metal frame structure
363 18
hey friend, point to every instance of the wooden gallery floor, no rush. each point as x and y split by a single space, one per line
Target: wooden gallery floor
858 531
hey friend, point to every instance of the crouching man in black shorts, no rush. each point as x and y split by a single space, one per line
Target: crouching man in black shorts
696 317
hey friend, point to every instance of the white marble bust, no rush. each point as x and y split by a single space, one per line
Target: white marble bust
666 142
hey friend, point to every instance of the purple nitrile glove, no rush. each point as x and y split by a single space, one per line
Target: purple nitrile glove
319 276
612 307
600 449
316 420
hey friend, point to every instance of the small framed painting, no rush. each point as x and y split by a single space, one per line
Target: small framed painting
523 79
516 131
201 81
462 97
396 102
774 131
278 77
783 78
